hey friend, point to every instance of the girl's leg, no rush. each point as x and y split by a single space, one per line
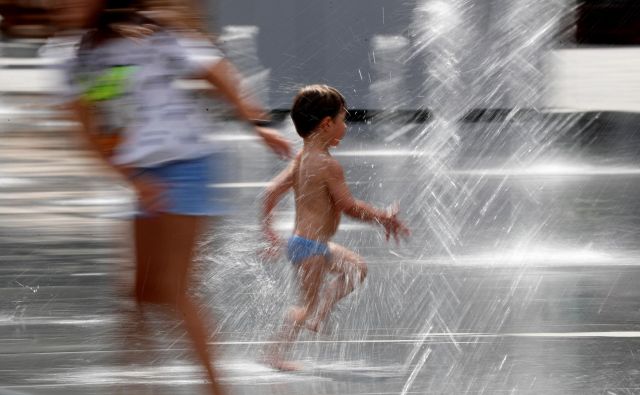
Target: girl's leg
133 332
164 275
146 233
351 270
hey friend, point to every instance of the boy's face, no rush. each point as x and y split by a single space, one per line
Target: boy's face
337 128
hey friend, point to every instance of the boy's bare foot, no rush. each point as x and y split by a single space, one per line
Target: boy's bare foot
286 366
315 326
318 326
282 365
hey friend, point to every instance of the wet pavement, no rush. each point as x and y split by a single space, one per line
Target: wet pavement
536 291
521 276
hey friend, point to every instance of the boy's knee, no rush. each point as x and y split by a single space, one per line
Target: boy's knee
357 274
363 274
297 315
362 271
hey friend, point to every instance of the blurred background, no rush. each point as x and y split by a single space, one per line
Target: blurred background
299 42
506 129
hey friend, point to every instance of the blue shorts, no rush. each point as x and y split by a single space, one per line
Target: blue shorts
299 249
187 186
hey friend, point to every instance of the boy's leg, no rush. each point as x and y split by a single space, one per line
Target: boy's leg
351 270
310 274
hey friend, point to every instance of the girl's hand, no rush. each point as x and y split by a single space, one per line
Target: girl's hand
150 193
250 111
274 140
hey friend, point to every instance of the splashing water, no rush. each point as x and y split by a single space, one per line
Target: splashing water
241 46
453 211
458 191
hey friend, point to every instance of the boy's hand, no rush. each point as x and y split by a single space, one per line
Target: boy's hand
393 226
274 241
275 141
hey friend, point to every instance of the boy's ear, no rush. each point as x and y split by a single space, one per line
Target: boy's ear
326 121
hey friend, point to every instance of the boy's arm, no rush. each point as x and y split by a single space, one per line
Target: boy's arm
344 200
358 209
272 196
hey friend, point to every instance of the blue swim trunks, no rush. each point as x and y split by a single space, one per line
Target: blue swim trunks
299 249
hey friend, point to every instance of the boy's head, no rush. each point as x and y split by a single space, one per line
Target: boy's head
312 105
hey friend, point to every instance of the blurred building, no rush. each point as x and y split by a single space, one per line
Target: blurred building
26 18
305 41
608 22
612 22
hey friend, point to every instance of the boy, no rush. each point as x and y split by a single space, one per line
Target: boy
321 196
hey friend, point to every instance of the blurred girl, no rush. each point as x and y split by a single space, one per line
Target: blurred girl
153 135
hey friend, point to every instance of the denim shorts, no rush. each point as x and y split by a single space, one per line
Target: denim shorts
187 186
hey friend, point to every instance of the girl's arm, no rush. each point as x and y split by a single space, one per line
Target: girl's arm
148 191
84 115
226 79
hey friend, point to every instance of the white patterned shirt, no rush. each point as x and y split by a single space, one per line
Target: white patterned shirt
132 86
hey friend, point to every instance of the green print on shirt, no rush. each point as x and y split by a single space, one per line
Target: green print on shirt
109 85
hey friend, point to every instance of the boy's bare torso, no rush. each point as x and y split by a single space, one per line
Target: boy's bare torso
317 217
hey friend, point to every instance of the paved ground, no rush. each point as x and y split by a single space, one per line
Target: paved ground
536 294
521 275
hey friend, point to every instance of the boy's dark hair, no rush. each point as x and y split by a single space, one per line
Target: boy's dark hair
312 104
